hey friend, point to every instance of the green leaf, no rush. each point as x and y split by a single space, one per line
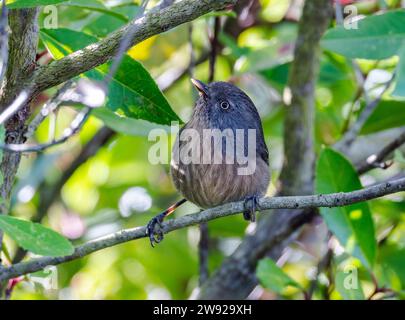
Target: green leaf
133 127
348 285
274 10
106 23
393 257
35 237
352 225
132 90
272 277
377 37
223 13
400 75
387 115
18 4
262 59
96 5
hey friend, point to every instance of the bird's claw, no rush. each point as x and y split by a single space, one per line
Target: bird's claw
155 230
250 206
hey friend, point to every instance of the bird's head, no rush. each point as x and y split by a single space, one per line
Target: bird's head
224 106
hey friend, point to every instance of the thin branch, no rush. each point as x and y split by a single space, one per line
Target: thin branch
203 253
377 160
354 131
214 48
48 108
150 24
289 202
125 44
74 128
323 264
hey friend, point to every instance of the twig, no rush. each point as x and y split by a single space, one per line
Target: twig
74 128
48 107
214 48
376 160
125 44
192 63
354 131
203 252
323 264
378 289
290 202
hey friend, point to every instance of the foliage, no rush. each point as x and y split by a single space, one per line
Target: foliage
118 187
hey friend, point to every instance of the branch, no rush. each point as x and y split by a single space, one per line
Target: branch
348 138
143 28
290 202
74 128
376 160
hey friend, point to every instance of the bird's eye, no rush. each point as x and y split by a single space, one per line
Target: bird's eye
224 105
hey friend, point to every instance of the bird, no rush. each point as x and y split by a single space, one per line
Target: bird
207 168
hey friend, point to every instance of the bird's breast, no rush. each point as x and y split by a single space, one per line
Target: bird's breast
209 177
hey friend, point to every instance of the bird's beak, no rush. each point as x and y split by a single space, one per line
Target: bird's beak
201 87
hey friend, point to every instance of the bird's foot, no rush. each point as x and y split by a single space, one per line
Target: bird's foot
154 229
250 206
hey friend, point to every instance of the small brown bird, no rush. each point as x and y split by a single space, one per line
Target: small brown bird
208 170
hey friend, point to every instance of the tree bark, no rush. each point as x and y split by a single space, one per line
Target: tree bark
23 42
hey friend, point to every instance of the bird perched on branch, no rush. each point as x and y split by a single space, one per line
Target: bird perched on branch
220 155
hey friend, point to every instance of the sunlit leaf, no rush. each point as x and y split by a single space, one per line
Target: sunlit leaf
387 115
272 277
377 37
35 237
17 4
125 125
352 225
274 10
95 5
393 257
